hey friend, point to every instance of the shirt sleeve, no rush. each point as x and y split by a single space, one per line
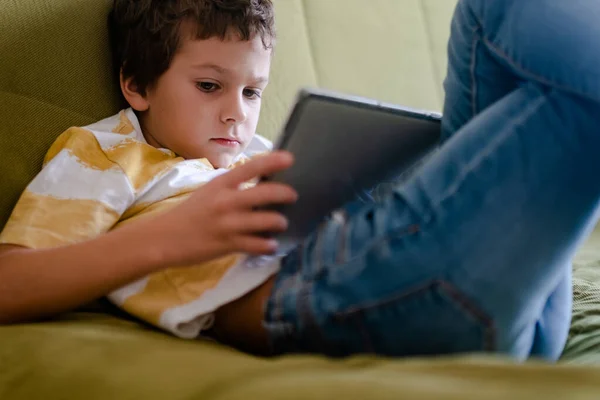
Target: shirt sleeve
79 194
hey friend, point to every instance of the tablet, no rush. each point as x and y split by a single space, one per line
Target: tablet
343 145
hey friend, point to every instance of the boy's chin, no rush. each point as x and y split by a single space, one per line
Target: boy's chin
222 160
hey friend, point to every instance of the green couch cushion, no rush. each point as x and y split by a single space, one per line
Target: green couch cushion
389 50
97 357
583 346
54 73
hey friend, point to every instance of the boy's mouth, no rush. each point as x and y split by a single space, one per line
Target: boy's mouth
226 142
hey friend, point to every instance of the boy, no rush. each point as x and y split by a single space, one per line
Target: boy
470 254
193 73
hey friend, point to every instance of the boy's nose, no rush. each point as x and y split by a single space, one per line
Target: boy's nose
234 111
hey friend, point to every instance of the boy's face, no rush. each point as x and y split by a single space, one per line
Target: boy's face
207 104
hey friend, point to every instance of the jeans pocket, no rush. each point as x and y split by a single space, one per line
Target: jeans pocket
435 318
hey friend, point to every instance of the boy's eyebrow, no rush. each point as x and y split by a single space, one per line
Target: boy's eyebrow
216 67
225 71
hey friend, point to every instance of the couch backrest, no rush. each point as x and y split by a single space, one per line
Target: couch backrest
55 66
392 50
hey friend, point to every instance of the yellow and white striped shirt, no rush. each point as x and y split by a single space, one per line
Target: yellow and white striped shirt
104 175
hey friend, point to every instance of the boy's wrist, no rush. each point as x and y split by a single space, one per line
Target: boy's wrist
144 245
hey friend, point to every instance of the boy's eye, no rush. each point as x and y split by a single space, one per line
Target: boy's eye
207 86
251 93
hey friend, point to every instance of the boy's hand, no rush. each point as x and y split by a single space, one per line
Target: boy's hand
219 218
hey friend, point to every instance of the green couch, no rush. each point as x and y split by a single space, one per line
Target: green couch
54 73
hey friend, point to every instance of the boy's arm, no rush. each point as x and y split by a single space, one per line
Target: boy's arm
218 219
39 283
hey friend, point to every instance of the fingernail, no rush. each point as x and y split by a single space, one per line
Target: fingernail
289 156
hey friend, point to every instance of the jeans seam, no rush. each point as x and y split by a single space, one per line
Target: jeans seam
517 66
460 300
485 152
475 42
469 306
453 189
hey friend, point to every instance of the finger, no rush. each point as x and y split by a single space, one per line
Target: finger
263 194
255 168
255 222
254 245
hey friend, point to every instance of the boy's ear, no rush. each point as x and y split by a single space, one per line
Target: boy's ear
130 91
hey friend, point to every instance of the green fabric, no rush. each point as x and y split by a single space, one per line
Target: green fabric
89 356
583 346
54 73
292 66
390 50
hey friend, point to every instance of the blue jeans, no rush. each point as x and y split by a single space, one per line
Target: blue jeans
472 253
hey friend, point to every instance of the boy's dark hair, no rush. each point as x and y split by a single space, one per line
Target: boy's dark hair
145 34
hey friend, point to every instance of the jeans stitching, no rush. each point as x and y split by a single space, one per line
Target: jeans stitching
485 153
467 305
459 299
518 67
473 66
